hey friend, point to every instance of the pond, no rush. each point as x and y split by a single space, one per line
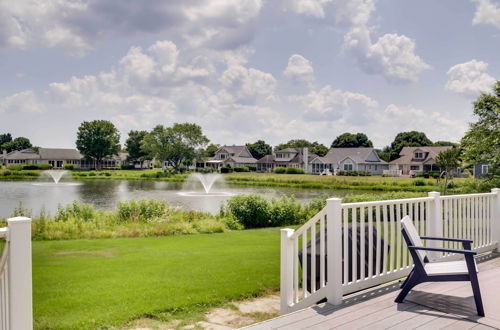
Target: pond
105 194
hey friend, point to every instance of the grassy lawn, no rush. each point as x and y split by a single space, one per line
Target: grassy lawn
109 282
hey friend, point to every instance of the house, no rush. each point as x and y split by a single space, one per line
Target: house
417 159
289 157
349 159
57 158
480 170
234 156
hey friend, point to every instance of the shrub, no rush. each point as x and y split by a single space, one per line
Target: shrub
69 167
280 170
15 167
226 169
434 174
252 168
252 211
205 170
28 167
45 166
76 210
92 174
241 169
127 166
419 182
285 211
144 210
294 170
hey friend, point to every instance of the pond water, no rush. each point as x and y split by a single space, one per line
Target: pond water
105 194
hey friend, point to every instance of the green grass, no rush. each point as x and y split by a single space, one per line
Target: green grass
84 284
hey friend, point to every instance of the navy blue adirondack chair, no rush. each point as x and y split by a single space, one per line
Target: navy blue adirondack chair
438 271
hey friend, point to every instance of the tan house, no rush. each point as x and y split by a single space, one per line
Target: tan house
417 159
289 157
235 156
349 159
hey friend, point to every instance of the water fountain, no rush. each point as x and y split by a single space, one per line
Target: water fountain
56 176
207 181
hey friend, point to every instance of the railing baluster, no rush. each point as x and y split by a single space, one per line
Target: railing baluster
398 234
370 241
345 245
304 264
386 238
392 234
296 270
354 246
445 221
362 242
379 236
322 252
313 258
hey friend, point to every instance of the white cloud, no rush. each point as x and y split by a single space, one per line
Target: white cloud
299 69
469 78
487 12
25 101
77 26
314 8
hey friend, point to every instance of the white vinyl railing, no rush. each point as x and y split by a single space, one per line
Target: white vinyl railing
15 275
350 247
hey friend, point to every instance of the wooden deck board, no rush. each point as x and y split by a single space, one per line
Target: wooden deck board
444 305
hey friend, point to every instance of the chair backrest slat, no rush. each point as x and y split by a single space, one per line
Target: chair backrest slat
412 233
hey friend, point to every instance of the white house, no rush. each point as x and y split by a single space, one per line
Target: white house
349 159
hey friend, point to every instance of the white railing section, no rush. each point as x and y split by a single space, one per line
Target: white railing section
366 246
15 275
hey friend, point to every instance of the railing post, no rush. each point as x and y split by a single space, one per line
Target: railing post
495 218
334 251
20 285
435 223
286 270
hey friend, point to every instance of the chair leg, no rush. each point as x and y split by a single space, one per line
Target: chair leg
477 294
406 279
410 282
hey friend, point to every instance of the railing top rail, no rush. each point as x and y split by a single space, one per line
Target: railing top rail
3 231
309 223
387 202
467 195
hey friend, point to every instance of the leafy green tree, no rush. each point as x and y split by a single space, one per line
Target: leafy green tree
259 149
384 154
133 146
211 149
319 149
481 142
445 144
447 161
179 144
298 143
97 140
408 139
4 138
348 140
19 143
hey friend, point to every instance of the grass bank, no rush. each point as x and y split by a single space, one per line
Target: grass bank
84 284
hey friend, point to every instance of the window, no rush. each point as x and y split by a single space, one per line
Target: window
222 156
347 167
419 155
414 167
279 155
484 169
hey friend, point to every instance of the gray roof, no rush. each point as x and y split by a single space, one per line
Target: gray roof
244 160
236 150
22 154
290 150
429 153
62 154
359 155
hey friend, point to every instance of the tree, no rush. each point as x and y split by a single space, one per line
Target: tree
348 140
447 161
19 143
259 149
133 146
298 143
481 142
445 144
4 138
97 140
179 144
408 139
211 149
319 149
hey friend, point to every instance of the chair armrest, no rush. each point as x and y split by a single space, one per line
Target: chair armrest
430 238
424 248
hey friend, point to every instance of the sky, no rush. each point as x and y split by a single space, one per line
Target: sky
246 69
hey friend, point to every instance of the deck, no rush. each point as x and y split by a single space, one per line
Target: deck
445 305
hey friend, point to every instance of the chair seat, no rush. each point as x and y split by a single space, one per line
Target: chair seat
458 267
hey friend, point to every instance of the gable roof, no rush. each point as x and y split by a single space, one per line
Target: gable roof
292 150
429 153
359 155
22 154
56 153
236 150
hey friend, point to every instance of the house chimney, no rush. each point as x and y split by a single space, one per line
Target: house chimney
305 159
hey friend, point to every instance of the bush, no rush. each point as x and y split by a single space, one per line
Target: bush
241 169
285 211
205 170
31 167
45 166
419 182
69 167
280 170
354 173
252 211
226 169
15 167
127 167
294 170
252 168
434 175
144 210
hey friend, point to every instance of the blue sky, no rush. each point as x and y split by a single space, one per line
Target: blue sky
246 69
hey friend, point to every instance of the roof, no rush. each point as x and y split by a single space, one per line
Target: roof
53 153
430 153
359 155
289 150
236 150
22 154
247 160
297 159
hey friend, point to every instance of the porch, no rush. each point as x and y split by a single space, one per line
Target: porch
447 305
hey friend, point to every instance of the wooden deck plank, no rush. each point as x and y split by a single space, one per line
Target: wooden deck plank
397 316
441 322
421 319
